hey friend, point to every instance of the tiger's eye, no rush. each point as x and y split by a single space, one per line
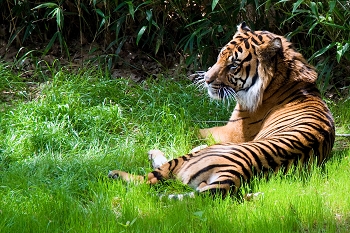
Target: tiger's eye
232 66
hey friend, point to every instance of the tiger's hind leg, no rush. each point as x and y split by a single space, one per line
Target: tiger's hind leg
214 189
157 158
221 185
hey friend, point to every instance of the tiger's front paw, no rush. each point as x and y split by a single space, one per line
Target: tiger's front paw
157 158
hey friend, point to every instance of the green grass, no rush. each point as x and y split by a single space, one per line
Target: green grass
56 150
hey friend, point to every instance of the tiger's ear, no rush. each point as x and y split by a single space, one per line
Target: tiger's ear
243 27
269 50
276 44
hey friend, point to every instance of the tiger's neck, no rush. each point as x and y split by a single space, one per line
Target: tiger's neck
288 74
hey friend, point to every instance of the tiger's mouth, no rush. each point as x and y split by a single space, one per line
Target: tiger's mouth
221 91
218 91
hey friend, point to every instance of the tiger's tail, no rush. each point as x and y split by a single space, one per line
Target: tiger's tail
116 174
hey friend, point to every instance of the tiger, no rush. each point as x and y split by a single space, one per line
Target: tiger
279 119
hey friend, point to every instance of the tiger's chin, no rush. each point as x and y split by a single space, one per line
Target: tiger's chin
223 93
214 94
248 100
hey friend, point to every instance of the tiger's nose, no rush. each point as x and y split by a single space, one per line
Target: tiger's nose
208 80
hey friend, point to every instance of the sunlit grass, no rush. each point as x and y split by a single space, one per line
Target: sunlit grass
55 153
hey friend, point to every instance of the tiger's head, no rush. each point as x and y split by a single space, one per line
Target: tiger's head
248 63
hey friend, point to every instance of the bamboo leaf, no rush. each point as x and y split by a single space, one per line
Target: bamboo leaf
296 5
158 43
49 45
313 7
117 51
46 5
59 18
100 13
28 31
332 5
198 21
119 6
322 51
154 23
140 33
103 21
312 27
341 50
131 9
149 15
213 4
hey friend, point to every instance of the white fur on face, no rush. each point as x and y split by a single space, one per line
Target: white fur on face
251 99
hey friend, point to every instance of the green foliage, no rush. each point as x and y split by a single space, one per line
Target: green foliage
193 28
327 23
178 30
321 31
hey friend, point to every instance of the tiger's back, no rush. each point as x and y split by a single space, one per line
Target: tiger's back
279 119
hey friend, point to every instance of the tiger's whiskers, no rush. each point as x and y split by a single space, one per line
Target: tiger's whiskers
227 94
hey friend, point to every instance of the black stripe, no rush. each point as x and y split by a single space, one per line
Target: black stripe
255 122
238 119
268 157
244 169
176 161
256 158
157 175
241 154
239 110
247 45
215 191
293 144
255 77
229 182
205 169
248 58
255 41
232 172
184 158
247 70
